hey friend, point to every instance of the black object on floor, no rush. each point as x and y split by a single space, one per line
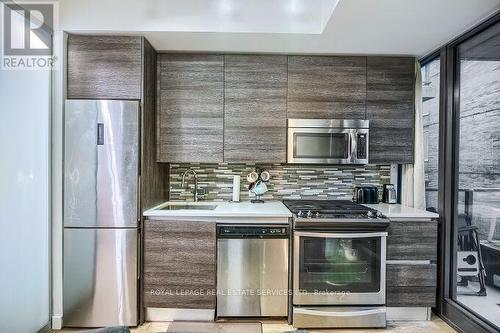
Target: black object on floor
468 240
116 329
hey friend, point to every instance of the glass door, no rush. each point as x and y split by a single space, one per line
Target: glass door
476 223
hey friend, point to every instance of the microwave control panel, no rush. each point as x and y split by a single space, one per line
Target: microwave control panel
361 153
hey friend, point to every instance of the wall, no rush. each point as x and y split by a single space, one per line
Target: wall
24 200
287 181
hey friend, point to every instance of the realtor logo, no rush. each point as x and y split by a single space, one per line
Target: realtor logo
27 35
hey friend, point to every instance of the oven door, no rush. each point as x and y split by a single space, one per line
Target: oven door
339 268
320 145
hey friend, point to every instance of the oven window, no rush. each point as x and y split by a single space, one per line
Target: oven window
321 145
339 264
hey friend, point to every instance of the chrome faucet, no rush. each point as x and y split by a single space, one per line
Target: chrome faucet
190 170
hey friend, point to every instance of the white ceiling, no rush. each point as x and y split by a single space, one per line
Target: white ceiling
409 27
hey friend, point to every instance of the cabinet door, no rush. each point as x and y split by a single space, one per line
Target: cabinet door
411 274
104 67
390 108
411 296
179 264
410 240
411 284
190 114
255 108
326 87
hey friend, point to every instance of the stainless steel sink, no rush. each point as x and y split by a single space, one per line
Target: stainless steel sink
188 206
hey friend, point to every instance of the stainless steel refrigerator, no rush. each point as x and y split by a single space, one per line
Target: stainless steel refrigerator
101 213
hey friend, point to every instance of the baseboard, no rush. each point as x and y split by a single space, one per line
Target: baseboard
408 313
169 314
56 322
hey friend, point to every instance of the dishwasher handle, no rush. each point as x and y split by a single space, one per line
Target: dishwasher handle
243 232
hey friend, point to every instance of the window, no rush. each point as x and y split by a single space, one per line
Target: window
430 113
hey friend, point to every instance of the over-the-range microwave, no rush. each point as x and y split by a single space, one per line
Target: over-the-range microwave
328 141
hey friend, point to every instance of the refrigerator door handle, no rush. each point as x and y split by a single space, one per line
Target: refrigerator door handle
100 134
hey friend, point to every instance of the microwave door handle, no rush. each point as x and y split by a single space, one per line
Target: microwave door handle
352 155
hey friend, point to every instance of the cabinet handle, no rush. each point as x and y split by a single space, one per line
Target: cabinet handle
100 134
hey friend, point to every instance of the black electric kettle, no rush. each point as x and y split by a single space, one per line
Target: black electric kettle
365 194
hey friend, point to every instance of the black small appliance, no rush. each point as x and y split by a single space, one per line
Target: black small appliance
366 194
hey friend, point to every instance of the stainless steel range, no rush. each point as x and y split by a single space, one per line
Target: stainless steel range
338 265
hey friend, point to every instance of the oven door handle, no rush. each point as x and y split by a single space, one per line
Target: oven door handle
339 313
340 235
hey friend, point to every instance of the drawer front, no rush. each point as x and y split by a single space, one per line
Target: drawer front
179 264
409 240
411 275
339 317
411 296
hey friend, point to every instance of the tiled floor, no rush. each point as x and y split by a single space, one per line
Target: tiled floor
435 325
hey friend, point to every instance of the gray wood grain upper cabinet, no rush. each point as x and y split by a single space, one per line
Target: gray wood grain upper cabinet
255 108
326 87
104 67
154 175
179 256
190 112
390 109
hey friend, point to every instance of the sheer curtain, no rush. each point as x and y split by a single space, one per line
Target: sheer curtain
413 178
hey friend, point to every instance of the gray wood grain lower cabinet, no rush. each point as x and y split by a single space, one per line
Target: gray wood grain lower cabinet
329 87
411 297
179 261
190 108
411 285
390 108
411 275
104 67
410 240
255 88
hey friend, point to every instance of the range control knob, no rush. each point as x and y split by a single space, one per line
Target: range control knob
370 214
309 214
379 214
316 214
300 213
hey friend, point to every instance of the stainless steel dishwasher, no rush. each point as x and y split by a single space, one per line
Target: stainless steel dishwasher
252 270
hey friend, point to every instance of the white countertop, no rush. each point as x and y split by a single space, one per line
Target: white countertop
244 209
270 209
397 211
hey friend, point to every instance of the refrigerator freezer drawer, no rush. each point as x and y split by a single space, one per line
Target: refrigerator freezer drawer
100 277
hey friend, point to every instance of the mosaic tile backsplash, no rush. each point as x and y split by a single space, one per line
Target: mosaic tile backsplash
287 181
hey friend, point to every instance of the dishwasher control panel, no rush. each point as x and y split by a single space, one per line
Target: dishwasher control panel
234 231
